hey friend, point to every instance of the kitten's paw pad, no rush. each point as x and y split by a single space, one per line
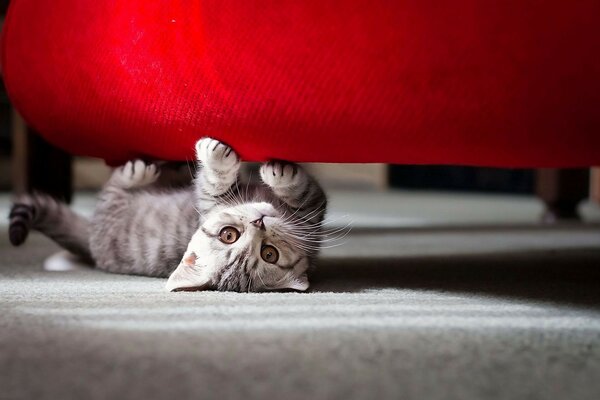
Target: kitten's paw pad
216 155
279 174
136 173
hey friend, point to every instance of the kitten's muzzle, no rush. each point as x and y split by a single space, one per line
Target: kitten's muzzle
259 223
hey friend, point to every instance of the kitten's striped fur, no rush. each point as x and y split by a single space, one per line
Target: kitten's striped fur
139 229
55 219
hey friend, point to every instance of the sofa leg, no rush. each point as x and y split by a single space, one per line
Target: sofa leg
562 190
49 168
39 166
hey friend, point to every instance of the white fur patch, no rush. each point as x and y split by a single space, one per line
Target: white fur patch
64 261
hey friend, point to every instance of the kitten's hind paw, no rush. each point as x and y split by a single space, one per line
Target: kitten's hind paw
281 174
135 174
217 156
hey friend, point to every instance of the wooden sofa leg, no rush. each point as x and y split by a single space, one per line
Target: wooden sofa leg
562 190
49 169
39 166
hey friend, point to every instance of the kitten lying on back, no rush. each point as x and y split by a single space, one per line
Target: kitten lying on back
228 236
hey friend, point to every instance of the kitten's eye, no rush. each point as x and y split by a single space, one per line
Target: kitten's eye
229 235
269 254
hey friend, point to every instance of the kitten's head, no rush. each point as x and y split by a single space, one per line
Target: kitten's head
250 247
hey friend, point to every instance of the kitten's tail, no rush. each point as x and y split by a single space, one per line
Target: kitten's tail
52 218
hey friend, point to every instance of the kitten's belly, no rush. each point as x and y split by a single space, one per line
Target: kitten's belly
147 236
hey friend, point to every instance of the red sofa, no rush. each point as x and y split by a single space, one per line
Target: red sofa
498 83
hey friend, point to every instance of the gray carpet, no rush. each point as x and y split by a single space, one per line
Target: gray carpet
476 312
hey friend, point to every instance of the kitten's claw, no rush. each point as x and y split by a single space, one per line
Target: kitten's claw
280 174
217 155
135 174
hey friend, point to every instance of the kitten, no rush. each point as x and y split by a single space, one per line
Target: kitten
218 234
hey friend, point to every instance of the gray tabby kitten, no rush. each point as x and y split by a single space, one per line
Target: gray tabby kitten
217 234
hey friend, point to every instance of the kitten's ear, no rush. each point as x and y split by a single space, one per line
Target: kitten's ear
300 283
187 276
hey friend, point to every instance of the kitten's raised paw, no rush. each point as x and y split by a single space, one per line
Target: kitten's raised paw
279 174
216 155
135 174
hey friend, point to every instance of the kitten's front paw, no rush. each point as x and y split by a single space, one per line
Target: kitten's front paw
135 174
280 174
217 155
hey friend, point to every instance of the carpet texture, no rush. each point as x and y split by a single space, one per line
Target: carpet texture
481 312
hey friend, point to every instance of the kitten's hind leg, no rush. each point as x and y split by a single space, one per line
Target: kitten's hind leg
134 174
294 186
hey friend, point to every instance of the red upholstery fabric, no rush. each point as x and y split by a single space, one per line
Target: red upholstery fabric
504 83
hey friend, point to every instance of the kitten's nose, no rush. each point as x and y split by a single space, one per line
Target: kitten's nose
259 223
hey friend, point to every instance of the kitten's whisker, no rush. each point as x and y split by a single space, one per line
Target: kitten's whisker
187 163
261 279
317 231
231 200
328 240
317 242
239 192
332 232
303 245
249 283
300 207
332 246
313 213
248 183
284 277
320 224
230 195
